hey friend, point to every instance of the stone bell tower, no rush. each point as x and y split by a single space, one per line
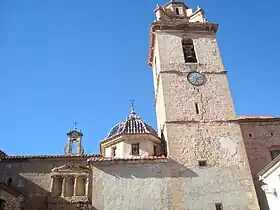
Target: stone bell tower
195 111
74 145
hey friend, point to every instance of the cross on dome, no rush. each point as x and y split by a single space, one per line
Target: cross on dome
75 125
131 125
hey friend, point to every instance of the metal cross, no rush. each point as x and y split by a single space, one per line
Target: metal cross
132 104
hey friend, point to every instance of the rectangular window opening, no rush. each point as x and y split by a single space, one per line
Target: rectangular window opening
177 11
135 149
155 150
202 163
219 206
114 151
274 153
196 108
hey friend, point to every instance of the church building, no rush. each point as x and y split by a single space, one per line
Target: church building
201 156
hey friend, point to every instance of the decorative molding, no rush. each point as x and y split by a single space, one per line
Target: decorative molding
71 168
40 157
181 26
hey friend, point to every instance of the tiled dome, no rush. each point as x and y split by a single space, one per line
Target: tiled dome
132 125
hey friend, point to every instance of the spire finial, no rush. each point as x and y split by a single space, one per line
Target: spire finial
75 125
132 110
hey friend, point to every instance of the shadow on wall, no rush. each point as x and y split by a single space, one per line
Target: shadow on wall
261 195
149 169
33 180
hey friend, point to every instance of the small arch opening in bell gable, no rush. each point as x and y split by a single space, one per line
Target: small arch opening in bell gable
74 146
177 11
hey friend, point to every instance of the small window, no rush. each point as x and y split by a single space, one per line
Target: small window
177 11
155 150
250 135
219 206
196 108
188 50
135 149
202 163
10 181
274 153
20 183
114 151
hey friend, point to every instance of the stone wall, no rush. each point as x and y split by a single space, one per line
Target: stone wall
12 200
167 186
211 134
33 178
259 136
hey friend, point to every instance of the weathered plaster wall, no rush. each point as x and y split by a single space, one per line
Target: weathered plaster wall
258 137
33 178
167 186
146 143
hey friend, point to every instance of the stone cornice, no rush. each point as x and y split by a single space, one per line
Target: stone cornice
248 119
133 160
116 137
40 157
238 120
200 121
186 72
188 26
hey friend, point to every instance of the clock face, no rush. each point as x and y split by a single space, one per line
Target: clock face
196 78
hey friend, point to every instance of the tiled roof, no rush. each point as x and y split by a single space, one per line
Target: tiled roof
2 153
130 159
132 125
23 157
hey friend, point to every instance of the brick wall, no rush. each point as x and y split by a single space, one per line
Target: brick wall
258 137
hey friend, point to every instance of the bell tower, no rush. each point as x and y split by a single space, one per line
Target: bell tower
195 111
74 145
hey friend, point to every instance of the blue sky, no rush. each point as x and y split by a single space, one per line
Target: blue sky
65 61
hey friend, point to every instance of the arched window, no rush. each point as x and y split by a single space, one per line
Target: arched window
188 50
177 11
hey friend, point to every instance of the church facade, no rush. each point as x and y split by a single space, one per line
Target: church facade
202 156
